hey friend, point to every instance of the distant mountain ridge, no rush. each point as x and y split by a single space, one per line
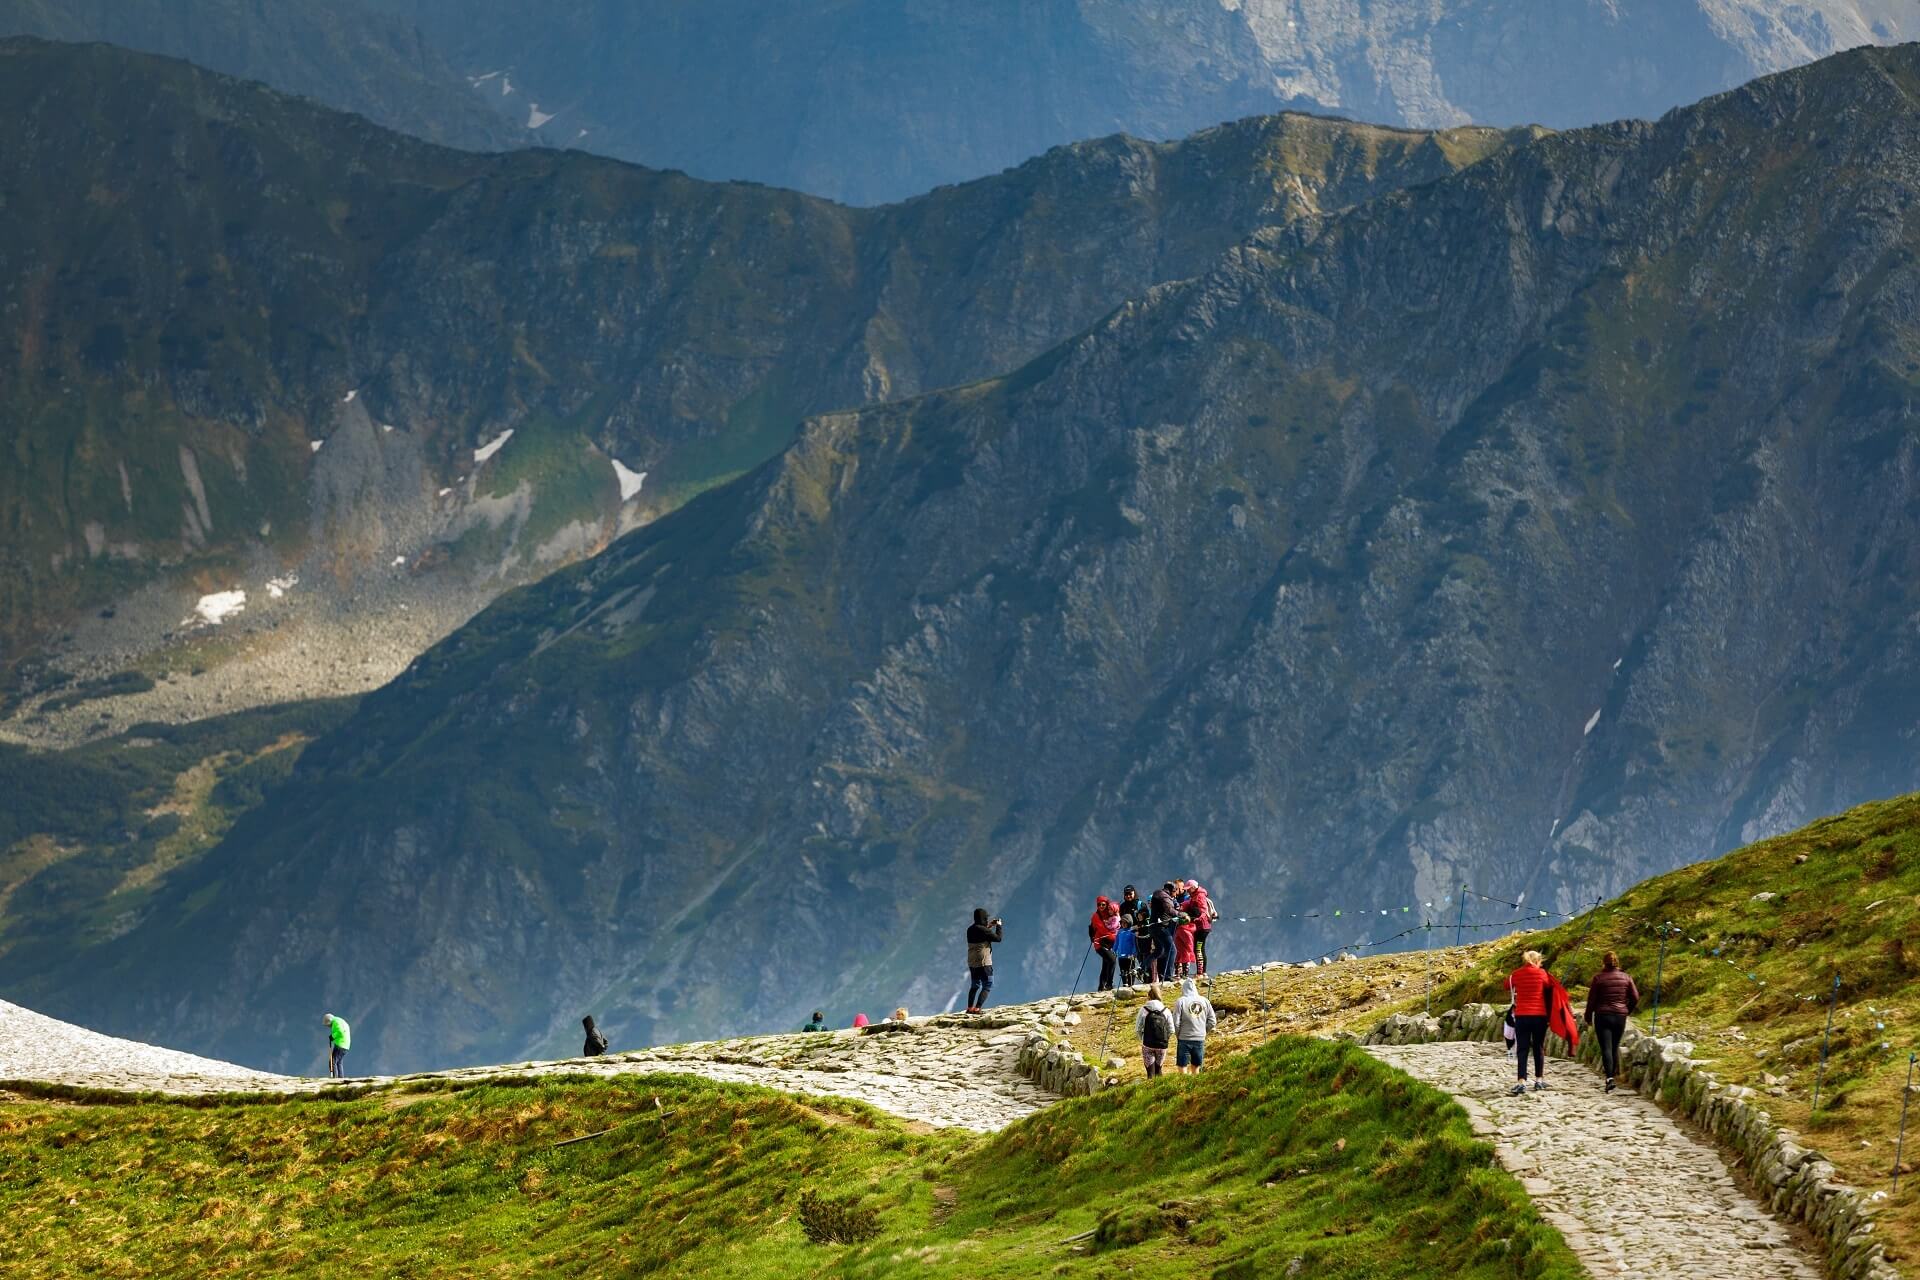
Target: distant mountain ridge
257 342
1532 529
343 53
875 100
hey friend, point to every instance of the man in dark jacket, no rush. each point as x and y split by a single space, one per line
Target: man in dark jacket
1165 915
596 1043
981 935
1611 996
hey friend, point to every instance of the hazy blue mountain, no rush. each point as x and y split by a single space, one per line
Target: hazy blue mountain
1534 528
340 52
873 100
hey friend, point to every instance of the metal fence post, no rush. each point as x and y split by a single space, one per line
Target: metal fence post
1821 1077
1658 971
1461 922
1900 1144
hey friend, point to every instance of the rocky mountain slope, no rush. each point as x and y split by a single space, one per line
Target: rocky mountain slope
873 100
289 396
1533 529
339 52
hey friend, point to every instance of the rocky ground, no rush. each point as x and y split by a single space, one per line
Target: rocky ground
946 1071
1633 1193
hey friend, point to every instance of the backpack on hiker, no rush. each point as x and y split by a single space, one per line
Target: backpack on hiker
1156 1031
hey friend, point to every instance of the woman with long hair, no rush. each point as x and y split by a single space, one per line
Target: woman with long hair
1611 996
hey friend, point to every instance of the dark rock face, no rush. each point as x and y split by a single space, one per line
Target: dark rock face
209 287
875 100
1534 529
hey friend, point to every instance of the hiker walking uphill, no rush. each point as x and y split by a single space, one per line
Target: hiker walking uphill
1540 1004
1528 986
1193 1018
981 935
1154 1025
1611 997
339 1040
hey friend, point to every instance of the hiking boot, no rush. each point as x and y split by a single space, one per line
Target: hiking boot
1517 1090
1609 1088
1539 1086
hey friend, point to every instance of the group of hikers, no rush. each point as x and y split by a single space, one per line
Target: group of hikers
1165 939
1160 939
1541 1004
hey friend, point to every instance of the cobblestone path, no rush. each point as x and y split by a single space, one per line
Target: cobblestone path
948 1072
1633 1192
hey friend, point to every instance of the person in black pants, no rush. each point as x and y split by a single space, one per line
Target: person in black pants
981 935
1164 913
1531 990
1611 996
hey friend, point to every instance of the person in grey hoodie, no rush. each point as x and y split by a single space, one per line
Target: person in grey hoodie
1154 1025
1193 1017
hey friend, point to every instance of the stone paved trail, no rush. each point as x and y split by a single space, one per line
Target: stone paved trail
950 1072
1633 1192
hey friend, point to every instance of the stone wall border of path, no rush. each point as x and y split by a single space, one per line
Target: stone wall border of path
1055 1065
1797 1182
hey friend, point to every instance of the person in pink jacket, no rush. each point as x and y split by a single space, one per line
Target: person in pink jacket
1200 909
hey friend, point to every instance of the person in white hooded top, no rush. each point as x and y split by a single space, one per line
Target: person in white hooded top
1193 1018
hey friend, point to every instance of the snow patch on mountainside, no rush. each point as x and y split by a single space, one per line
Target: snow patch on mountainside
630 480
492 446
217 608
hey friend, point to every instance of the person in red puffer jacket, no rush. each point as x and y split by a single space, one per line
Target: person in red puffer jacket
1532 992
1103 927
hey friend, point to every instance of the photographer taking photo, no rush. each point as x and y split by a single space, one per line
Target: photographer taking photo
981 935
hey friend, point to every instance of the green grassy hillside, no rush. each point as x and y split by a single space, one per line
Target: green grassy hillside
1300 1150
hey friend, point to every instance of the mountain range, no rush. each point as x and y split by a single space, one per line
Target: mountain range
870 101
875 100
294 395
1528 524
340 52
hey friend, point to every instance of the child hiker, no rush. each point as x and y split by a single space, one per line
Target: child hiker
1124 950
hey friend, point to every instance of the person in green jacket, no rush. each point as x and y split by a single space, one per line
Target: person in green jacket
340 1037
819 1022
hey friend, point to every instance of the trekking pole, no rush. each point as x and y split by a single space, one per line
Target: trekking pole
1659 969
1082 970
1113 1005
1820 1078
1900 1143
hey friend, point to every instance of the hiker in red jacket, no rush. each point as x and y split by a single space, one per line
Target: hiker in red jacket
1611 996
1531 990
1540 1004
1103 927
